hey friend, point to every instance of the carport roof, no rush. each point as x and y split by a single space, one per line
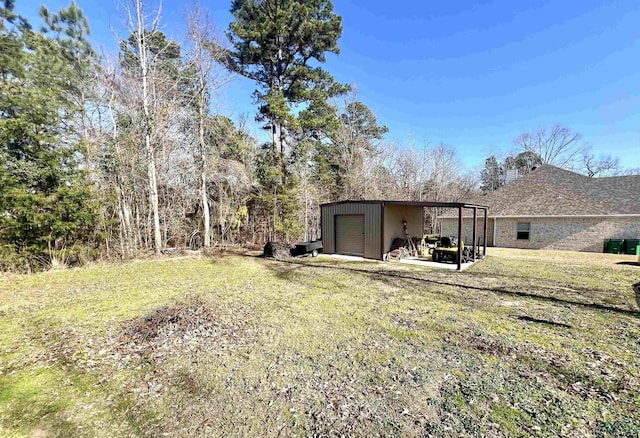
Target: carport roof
410 203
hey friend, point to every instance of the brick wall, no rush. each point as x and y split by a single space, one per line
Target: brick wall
450 228
574 234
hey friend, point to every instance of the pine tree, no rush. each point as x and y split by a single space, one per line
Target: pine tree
277 43
45 207
341 157
492 175
274 43
70 29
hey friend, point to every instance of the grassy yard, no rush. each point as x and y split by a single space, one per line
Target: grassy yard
524 343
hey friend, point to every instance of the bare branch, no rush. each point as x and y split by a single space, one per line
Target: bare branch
605 165
558 146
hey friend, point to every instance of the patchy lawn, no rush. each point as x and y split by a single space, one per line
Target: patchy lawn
524 343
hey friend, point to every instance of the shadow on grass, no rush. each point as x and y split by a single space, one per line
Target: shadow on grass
512 275
470 272
498 290
286 274
629 264
543 321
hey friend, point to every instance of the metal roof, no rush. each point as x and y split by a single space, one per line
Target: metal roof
411 203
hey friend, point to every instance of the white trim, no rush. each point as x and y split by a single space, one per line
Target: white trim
553 216
567 216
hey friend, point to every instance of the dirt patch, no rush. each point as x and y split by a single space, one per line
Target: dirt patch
489 345
191 327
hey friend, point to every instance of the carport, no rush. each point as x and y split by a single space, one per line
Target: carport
367 228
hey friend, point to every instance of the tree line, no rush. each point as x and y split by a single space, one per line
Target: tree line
128 153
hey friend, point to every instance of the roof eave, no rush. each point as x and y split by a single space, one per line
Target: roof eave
409 203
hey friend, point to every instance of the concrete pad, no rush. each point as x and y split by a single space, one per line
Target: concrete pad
406 261
351 258
430 264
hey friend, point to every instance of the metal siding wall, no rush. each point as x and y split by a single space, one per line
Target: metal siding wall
372 231
328 234
372 227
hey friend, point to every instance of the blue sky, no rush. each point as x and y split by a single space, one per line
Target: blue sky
473 75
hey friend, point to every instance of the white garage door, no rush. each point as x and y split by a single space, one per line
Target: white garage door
350 234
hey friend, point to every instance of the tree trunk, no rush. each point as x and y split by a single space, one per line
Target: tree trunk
203 174
151 163
283 145
274 136
140 242
128 244
306 214
275 209
123 250
206 216
153 194
85 138
220 211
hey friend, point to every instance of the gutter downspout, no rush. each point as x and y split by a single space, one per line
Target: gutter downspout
382 249
495 236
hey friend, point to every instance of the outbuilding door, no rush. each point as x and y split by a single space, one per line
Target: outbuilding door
350 234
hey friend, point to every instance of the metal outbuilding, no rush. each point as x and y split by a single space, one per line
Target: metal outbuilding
367 228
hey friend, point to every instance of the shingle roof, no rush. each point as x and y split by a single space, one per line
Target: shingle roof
549 190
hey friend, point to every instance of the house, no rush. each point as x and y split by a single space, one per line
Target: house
367 228
553 208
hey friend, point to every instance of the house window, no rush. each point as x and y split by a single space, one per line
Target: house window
522 230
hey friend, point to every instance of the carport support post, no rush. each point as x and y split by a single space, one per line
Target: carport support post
484 238
459 238
475 236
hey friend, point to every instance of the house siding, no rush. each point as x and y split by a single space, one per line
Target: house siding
566 233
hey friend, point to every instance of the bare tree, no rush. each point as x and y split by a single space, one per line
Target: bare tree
558 146
604 165
445 169
356 140
378 173
629 171
115 173
141 25
411 171
448 181
209 76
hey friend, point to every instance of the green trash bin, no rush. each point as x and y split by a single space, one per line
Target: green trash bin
615 246
630 246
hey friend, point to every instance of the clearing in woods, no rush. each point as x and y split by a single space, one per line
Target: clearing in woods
524 343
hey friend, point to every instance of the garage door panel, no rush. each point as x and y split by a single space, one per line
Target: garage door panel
350 234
